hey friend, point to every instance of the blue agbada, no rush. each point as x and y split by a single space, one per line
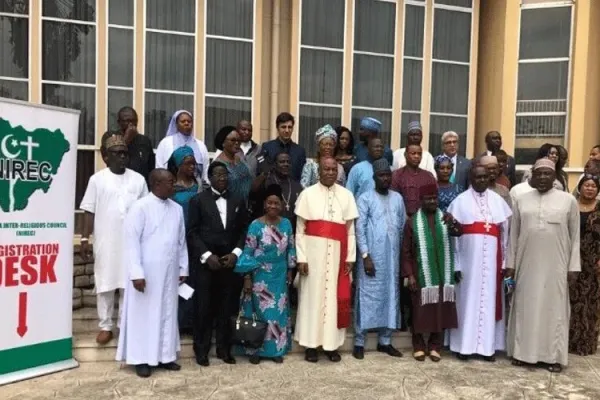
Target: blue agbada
360 180
379 233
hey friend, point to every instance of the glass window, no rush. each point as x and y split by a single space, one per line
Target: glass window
450 88
221 112
165 15
159 107
14 7
412 82
323 23
457 3
69 52
374 26
385 117
414 30
117 98
451 35
81 10
121 12
77 97
545 33
321 74
543 80
170 62
373 89
14 89
120 57
224 12
229 67
14 47
311 119
440 124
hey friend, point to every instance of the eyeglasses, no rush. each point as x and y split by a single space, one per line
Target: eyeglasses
451 141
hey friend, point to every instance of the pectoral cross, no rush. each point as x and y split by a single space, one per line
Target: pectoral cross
287 207
487 227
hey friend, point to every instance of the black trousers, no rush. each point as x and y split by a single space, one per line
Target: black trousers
216 301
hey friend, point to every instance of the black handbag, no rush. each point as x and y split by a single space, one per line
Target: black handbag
248 332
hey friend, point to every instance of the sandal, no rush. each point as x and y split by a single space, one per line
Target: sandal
434 356
554 368
419 356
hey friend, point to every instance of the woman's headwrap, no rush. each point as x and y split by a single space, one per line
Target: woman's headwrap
325 132
441 159
181 153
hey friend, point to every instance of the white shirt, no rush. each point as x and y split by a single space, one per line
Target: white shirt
222 207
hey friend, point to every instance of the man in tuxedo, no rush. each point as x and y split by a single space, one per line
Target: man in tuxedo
493 142
216 234
462 166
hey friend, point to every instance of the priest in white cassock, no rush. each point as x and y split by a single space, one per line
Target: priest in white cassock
326 252
157 258
108 196
543 256
480 251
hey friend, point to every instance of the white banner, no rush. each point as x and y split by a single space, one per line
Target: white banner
38 158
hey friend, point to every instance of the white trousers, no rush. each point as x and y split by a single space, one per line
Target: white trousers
105 303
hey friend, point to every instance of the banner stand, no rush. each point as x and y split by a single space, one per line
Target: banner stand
38 161
38 371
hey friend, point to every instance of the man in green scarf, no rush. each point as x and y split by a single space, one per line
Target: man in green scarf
428 264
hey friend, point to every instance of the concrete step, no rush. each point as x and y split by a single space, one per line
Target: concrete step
85 348
85 320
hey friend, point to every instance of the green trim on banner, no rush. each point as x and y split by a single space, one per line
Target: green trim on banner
35 355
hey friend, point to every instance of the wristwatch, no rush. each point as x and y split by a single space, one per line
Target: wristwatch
365 255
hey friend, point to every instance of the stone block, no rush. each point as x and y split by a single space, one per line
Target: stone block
77 259
77 293
89 300
77 303
89 269
78 269
92 280
81 281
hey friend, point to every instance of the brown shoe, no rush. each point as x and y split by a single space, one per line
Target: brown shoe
104 337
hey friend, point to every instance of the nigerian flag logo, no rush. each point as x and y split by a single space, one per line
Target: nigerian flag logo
28 162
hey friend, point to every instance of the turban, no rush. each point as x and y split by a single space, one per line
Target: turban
274 190
488 160
430 189
325 132
221 135
544 163
441 159
370 124
114 140
381 165
181 153
414 126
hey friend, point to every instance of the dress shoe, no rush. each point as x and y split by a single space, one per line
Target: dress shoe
104 337
172 366
333 356
255 359
278 360
143 370
202 361
491 358
228 359
462 357
311 355
389 350
358 352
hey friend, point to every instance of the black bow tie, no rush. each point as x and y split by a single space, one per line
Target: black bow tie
224 195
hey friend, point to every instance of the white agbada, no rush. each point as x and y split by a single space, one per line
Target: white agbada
478 331
156 251
427 161
108 196
166 147
316 323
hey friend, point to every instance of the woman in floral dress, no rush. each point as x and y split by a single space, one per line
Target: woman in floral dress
268 260
584 291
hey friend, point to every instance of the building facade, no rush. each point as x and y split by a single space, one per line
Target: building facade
527 68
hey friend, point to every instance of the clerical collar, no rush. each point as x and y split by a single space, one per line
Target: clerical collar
327 187
158 198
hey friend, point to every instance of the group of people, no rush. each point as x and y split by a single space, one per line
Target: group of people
365 237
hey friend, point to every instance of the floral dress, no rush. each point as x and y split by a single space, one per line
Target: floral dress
268 255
